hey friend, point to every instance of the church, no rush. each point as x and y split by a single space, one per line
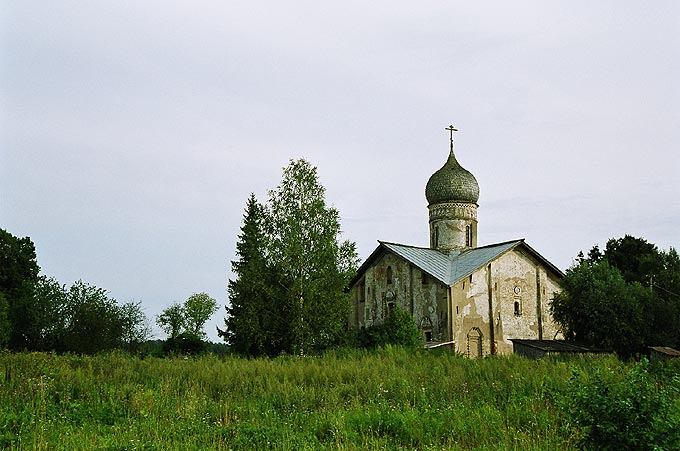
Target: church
474 300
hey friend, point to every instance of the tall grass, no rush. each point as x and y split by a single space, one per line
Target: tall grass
345 400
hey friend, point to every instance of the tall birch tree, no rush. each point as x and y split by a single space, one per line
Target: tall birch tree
312 265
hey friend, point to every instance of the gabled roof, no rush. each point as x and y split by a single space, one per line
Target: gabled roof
455 266
435 263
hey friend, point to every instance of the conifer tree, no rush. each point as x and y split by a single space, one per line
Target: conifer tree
251 324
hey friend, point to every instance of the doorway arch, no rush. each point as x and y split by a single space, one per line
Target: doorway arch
474 343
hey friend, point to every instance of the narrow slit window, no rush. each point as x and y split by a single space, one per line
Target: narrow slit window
362 291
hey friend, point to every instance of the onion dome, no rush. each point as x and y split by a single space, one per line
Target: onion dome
452 183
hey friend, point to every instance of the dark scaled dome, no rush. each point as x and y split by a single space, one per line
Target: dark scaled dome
452 183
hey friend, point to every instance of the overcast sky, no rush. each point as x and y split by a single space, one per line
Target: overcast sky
132 132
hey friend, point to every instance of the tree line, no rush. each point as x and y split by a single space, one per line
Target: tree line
625 298
37 313
289 294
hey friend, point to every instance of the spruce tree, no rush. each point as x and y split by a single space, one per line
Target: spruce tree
252 325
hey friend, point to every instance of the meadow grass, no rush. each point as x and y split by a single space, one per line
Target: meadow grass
387 399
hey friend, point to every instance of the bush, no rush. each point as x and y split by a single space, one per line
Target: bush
397 329
625 411
185 343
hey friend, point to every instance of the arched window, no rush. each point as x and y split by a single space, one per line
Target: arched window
389 275
468 236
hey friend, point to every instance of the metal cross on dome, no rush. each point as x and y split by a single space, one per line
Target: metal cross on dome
451 129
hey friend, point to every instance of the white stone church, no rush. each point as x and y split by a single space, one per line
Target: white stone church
473 299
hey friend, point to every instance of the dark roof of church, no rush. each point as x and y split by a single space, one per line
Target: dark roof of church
454 266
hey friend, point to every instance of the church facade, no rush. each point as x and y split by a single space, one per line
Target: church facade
472 299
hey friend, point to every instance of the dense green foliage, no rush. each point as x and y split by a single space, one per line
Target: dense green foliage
397 329
198 309
172 320
184 343
252 326
94 322
390 398
291 271
312 267
633 410
625 298
39 313
598 308
5 324
18 273
183 323
82 319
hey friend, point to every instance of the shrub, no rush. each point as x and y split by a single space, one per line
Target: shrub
625 411
184 343
397 329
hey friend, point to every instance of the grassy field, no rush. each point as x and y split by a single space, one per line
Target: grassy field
345 400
